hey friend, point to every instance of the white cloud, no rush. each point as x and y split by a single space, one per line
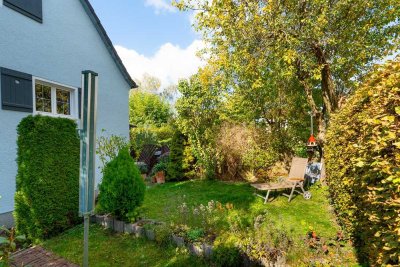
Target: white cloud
161 5
170 63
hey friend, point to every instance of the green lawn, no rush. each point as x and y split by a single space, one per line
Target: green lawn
298 215
162 203
110 249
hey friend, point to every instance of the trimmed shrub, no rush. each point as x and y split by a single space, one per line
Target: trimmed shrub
47 195
122 189
175 169
363 166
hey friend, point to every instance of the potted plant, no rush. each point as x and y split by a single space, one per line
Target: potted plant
160 177
160 169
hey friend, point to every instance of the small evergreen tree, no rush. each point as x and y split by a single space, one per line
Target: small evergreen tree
175 169
122 189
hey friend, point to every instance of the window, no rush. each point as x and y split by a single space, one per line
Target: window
55 99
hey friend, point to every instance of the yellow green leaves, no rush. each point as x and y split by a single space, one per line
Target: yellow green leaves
365 134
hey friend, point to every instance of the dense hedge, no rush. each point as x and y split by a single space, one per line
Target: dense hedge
46 201
363 165
122 189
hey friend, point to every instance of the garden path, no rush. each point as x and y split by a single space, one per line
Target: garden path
38 256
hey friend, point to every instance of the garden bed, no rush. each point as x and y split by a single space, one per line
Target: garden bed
142 229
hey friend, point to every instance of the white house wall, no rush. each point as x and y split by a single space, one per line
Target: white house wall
65 44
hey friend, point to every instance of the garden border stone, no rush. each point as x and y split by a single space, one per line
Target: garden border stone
179 241
108 222
118 226
196 249
138 230
150 234
129 228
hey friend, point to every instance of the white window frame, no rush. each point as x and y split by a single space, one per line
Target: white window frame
55 85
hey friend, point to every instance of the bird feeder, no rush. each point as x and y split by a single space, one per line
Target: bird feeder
312 144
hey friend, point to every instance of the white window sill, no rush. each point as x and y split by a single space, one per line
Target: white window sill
55 115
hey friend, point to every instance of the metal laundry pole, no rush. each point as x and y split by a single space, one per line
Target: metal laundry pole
87 134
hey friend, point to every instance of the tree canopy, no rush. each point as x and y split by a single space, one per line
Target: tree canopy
148 109
324 46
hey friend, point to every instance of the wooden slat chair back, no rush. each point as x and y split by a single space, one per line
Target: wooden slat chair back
298 168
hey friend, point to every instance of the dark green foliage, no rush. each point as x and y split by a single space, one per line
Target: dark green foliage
122 189
363 166
175 168
226 256
46 201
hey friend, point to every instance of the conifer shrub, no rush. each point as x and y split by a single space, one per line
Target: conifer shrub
47 189
175 164
363 166
122 188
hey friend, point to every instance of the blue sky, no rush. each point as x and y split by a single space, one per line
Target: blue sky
151 37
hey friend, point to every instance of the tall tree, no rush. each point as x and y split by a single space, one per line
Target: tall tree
199 109
326 45
149 83
148 109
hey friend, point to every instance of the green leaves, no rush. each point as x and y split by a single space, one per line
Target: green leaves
3 240
325 46
122 189
146 108
363 165
46 200
8 244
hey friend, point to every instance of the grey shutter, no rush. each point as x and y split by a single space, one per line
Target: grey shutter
80 102
16 90
29 8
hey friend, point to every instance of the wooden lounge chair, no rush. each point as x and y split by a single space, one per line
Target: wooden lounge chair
293 181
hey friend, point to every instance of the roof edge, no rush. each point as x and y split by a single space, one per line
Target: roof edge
107 41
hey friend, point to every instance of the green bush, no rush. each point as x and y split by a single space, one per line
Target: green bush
189 161
47 195
175 169
226 256
122 189
363 166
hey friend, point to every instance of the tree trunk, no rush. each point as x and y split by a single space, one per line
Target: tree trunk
328 89
329 96
316 111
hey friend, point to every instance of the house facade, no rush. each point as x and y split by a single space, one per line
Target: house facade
44 47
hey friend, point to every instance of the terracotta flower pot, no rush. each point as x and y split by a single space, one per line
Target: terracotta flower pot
160 177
